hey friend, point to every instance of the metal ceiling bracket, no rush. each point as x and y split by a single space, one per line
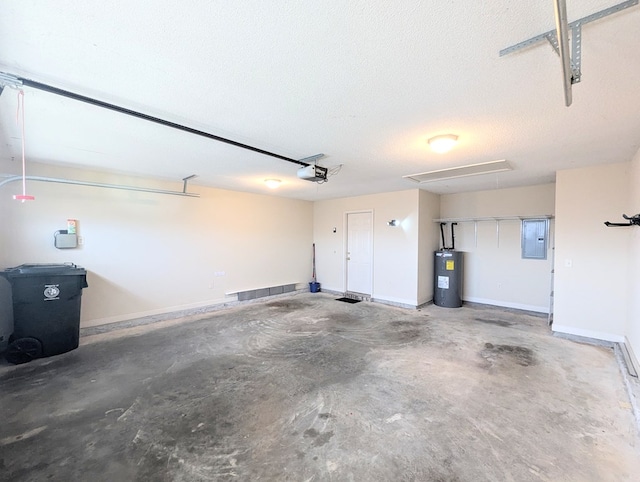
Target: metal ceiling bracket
310 159
576 53
553 40
572 67
575 57
185 180
8 80
562 33
589 18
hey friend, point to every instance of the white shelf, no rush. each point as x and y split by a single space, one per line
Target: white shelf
492 218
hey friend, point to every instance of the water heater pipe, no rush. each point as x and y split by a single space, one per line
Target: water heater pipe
453 237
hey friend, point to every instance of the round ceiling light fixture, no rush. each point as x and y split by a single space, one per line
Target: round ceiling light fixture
272 183
443 143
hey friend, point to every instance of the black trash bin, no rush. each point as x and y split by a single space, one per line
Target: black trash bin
6 313
46 309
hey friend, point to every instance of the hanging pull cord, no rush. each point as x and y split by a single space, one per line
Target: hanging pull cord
20 121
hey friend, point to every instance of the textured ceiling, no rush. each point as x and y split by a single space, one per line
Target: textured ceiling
365 83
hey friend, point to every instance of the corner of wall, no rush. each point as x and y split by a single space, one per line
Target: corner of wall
590 295
395 249
428 210
632 329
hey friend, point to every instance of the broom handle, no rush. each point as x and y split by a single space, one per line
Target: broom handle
314 262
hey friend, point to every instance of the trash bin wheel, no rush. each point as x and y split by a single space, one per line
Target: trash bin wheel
23 350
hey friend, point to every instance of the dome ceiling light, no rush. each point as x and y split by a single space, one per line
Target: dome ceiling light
443 143
272 183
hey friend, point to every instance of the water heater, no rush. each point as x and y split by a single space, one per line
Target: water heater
447 270
447 283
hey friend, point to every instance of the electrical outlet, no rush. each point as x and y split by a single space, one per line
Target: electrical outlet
80 240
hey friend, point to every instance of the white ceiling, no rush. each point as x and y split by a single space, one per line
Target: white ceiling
364 82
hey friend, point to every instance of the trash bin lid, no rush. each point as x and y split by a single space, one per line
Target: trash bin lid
44 269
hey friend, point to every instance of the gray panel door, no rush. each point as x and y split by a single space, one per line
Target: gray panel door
360 252
534 238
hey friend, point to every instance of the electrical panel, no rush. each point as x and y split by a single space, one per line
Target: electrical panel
534 238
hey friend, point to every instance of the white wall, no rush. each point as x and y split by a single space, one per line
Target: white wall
395 249
494 271
592 261
633 292
150 253
428 239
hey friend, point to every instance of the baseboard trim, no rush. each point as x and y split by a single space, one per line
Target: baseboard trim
191 307
508 304
137 319
630 358
394 303
598 335
632 384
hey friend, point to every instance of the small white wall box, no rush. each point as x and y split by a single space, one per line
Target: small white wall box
64 240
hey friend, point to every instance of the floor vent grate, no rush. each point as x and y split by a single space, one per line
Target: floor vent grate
357 296
262 292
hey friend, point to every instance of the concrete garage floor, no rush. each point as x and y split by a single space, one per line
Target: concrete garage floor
307 388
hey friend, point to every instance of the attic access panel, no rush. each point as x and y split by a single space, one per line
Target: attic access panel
462 171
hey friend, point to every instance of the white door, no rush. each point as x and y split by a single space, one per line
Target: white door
360 252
